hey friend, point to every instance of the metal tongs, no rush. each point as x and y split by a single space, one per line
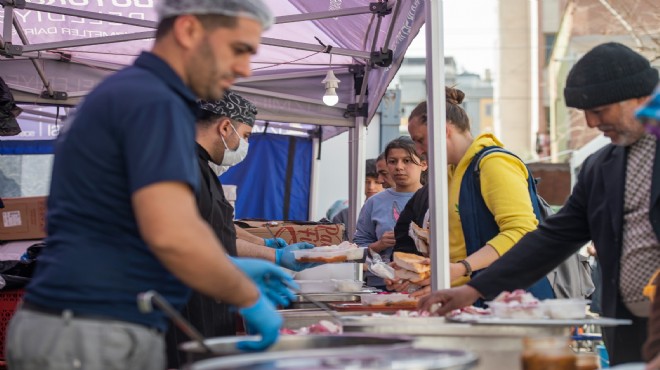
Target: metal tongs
318 304
146 302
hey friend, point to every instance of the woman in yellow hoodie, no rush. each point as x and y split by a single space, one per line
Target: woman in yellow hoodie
504 188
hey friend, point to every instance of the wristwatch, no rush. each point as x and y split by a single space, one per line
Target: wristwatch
468 268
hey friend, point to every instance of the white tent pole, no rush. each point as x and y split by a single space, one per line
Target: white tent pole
40 71
314 47
356 157
292 118
390 30
313 180
90 41
339 106
437 151
286 76
7 25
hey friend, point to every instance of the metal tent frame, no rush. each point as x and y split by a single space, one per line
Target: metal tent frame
365 64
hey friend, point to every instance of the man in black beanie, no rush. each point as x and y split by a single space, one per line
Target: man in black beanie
615 203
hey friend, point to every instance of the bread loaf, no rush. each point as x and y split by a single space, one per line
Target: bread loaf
413 277
411 262
421 233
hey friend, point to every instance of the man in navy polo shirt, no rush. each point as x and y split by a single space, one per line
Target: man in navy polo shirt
122 217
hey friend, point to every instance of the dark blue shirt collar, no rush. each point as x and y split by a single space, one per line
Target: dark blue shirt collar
160 68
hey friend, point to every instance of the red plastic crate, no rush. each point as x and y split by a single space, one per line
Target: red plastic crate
8 303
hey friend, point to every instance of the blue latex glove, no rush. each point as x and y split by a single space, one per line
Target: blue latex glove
284 257
271 280
275 243
260 318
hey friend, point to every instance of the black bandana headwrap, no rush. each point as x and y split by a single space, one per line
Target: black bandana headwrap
232 106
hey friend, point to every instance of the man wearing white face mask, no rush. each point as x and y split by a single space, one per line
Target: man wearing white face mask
239 116
223 128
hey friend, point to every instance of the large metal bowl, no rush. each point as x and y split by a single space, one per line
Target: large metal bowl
350 358
226 346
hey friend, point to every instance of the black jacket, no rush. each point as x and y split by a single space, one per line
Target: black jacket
414 211
594 212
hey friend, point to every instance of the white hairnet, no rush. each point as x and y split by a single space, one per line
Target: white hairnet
254 9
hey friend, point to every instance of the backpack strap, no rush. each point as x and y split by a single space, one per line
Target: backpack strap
531 181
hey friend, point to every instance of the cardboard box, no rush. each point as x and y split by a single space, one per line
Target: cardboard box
292 232
23 218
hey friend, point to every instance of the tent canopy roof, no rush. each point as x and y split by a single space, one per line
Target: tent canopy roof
54 54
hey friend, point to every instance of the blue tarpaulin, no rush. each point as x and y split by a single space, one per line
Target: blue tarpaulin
18 147
273 181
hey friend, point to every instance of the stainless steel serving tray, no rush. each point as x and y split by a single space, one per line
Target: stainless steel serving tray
301 302
602 321
226 346
329 297
345 359
438 326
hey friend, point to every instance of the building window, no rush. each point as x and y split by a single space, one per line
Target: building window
488 110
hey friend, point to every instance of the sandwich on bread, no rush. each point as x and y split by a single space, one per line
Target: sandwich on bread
420 236
411 267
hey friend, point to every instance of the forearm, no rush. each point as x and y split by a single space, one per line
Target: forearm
187 246
533 257
249 237
482 258
377 246
247 249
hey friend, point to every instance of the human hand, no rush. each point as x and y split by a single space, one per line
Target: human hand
449 299
260 318
275 243
388 239
284 257
397 285
271 279
421 292
654 364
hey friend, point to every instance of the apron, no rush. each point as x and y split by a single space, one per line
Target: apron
211 318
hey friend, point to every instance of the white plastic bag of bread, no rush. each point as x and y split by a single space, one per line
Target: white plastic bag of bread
421 237
344 252
411 267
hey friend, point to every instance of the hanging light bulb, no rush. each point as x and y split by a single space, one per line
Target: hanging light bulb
331 84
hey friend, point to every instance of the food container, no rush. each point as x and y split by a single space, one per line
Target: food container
316 286
565 308
545 353
587 361
347 285
514 310
392 299
332 254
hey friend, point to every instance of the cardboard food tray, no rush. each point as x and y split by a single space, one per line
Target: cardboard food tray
318 234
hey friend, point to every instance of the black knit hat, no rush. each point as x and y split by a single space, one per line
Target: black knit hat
609 73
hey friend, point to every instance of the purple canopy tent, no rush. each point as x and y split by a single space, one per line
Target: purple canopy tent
55 52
